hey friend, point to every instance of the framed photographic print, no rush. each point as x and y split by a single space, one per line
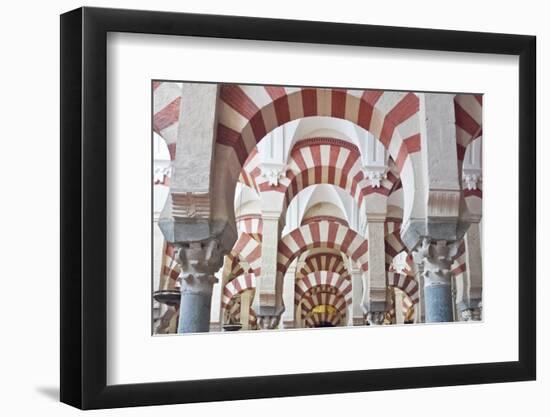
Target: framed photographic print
257 208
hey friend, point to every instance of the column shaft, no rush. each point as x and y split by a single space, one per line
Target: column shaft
375 285
194 312
270 311
439 304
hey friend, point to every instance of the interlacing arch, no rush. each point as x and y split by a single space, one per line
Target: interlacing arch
324 234
324 280
247 113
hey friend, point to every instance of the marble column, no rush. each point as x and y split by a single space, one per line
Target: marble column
270 309
436 258
398 302
289 296
420 308
357 316
374 280
469 286
199 262
246 303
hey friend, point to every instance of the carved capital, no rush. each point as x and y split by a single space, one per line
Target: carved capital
434 259
161 173
375 175
204 257
273 173
471 179
375 318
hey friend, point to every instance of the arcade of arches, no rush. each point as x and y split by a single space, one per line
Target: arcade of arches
279 207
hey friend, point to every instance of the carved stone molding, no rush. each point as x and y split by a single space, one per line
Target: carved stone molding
443 203
190 205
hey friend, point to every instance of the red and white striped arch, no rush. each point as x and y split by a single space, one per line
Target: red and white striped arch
166 113
319 161
314 299
249 250
323 279
316 320
405 283
251 170
468 119
237 286
323 262
170 267
233 314
250 224
407 307
247 113
323 234
393 243
459 264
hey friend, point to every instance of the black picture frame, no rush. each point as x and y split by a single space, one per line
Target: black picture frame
84 207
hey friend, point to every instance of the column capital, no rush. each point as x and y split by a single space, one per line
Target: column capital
200 258
434 258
